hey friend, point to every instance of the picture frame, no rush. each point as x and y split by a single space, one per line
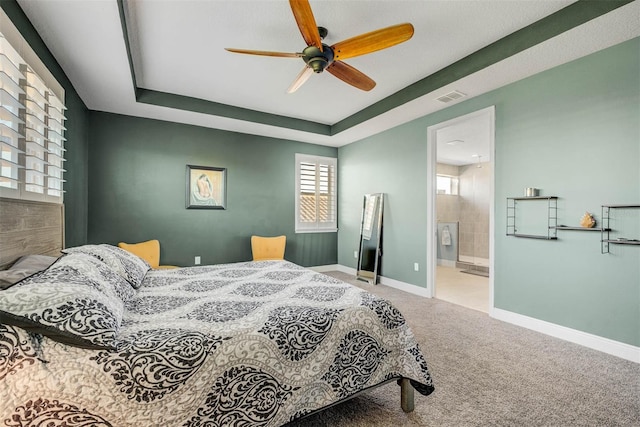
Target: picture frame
206 187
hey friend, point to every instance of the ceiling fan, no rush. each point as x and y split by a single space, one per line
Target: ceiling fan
319 57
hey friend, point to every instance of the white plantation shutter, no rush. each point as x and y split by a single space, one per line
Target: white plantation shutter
31 123
10 121
316 194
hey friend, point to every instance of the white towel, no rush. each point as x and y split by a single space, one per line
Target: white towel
446 236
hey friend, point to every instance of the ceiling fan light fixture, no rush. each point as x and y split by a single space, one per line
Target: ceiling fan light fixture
318 56
318 59
318 64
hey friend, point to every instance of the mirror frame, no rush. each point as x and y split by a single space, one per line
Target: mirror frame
367 275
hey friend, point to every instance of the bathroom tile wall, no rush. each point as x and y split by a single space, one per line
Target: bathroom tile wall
474 202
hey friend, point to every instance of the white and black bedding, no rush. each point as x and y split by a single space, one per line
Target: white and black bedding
100 339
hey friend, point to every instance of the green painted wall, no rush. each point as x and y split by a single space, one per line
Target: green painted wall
574 132
137 191
394 163
77 124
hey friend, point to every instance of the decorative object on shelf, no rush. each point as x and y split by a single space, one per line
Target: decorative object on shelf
587 220
531 192
206 187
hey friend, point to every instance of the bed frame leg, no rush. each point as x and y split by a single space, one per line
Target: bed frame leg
406 395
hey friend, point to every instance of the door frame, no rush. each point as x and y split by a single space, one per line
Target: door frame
432 252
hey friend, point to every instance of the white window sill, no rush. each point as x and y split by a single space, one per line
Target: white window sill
317 230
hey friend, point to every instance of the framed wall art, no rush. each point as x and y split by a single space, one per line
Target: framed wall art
206 187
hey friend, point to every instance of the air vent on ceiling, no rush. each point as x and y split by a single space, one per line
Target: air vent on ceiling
451 96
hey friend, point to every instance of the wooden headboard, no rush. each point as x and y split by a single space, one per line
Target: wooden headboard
28 227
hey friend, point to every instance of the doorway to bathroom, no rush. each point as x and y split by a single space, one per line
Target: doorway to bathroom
461 200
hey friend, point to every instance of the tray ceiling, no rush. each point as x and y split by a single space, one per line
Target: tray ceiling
173 66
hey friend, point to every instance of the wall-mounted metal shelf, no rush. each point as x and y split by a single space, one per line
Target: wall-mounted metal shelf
568 227
623 241
533 236
605 236
552 217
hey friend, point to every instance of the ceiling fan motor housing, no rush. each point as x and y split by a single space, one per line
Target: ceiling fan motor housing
318 59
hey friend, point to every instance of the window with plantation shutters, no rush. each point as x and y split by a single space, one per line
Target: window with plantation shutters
31 123
316 194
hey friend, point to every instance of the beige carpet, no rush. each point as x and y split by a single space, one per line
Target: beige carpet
490 373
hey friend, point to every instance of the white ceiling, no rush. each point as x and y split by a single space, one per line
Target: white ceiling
466 141
178 47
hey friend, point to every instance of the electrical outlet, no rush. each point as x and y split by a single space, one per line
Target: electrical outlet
416 266
197 261
355 254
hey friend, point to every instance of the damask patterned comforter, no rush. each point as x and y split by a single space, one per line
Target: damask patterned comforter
244 344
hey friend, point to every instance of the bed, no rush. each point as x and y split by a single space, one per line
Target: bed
99 338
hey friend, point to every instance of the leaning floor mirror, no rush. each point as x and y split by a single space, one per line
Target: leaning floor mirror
370 251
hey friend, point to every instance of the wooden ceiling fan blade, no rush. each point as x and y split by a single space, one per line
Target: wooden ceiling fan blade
265 53
299 81
306 22
373 41
350 75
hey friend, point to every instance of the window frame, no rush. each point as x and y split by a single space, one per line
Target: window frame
317 226
454 185
32 143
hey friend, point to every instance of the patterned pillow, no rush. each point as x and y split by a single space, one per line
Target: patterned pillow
112 284
124 263
77 301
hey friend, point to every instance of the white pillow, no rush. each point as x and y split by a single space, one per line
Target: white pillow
24 267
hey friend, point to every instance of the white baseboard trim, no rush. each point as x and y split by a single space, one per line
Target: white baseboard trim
403 286
446 263
605 345
392 283
333 267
